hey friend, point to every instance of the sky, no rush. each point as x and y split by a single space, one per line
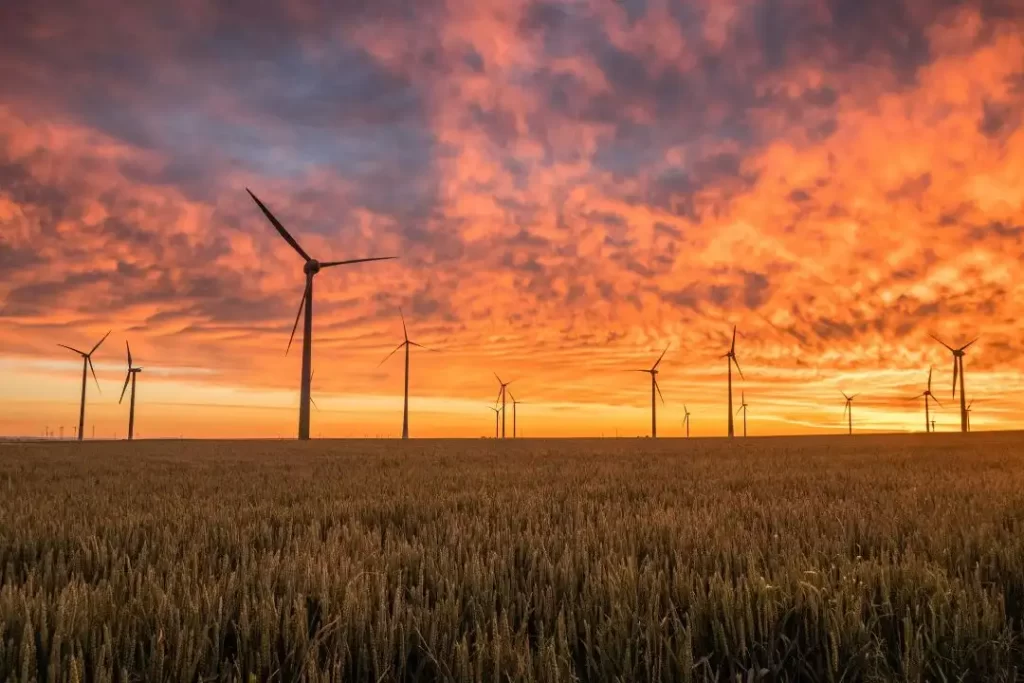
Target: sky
570 187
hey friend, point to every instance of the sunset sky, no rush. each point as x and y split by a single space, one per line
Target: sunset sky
570 187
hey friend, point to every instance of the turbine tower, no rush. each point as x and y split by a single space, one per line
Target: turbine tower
927 394
686 420
311 268
958 369
86 366
407 343
743 407
502 390
848 409
731 356
653 372
132 372
496 411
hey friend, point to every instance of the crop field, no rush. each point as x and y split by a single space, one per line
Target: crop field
803 559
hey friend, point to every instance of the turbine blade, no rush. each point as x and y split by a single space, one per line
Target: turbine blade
658 387
302 302
404 330
100 342
512 396
930 378
331 264
280 228
69 348
853 397
498 378
94 378
937 401
391 354
660 357
732 349
846 406
738 367
956 374
914 398
425 348
129 353
941 342
964 347
314 404
123 389
844 395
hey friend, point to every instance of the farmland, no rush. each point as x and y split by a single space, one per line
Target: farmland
866 558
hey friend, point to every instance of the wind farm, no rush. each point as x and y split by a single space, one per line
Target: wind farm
577 207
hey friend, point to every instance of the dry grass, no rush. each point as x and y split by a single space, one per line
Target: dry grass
874 558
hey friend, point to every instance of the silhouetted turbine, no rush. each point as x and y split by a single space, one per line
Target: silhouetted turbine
310 268
86 367
958 369
514 404
496 411
406 344
731 356
848 409
927 394
132 372
653 372
686 420
502 388
969 404
743 407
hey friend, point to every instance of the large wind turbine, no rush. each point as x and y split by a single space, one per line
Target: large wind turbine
86 366
502 390
848 409
311 268
686 420
731 356
496 411
653 372
927 394
132 372
407 343
958 369
743 407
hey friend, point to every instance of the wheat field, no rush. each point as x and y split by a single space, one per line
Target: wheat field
804 559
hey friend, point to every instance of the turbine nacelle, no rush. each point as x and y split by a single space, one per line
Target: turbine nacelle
311 267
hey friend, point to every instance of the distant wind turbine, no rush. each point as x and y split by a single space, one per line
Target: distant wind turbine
132 372
731 356
968 409
653 372
958 369
86 367
496 411
311 268
686 420
927 394
502 390
743 407
406 344
512 396
848 409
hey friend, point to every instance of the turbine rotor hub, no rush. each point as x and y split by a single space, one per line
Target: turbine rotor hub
312 267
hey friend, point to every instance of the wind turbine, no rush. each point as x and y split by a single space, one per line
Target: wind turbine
514 404
958 369
132 372
653 372
743 407
968 409
686 420
502 389
731 356
848 409
310 268
496 411
928 395
86 366
406 344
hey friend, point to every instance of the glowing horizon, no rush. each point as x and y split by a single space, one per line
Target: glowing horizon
569 186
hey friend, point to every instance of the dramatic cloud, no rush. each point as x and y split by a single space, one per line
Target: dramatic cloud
570 185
